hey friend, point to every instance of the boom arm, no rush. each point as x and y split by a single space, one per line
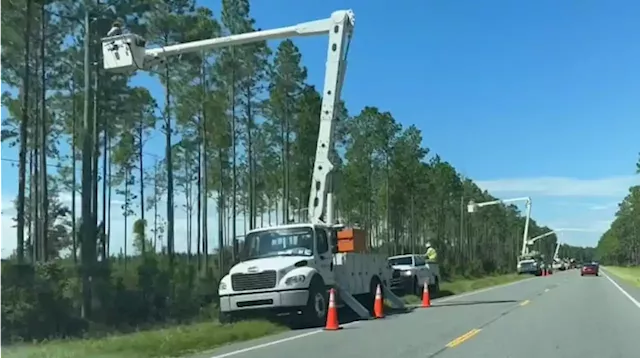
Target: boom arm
555 254
127 53
473 206
339 38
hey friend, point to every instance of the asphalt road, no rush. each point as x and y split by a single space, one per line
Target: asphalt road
562 315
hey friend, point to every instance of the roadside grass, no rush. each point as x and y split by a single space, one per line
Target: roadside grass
629 274
461 285
170 342
188 339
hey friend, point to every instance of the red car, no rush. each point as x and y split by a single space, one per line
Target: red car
589 269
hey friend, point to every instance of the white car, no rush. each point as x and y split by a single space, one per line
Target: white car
410 272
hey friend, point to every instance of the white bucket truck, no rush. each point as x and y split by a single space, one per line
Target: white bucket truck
287 268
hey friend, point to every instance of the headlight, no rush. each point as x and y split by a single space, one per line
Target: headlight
223 286
535 264
407 273
294 280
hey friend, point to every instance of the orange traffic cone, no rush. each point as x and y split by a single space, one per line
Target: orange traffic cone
332 314
426 299
378 305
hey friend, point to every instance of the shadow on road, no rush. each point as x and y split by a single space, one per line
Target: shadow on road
471 303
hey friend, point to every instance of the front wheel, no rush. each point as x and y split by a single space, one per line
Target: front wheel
315 312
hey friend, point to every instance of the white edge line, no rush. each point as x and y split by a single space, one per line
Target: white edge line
633 300
264 345
307 334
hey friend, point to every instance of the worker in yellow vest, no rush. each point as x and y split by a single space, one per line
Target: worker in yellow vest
431 254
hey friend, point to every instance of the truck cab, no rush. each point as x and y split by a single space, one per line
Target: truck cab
285 268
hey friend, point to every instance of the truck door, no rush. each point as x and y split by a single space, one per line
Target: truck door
323 256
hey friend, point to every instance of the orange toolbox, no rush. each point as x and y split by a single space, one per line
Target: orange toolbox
352 240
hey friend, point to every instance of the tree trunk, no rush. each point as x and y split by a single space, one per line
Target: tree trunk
24 125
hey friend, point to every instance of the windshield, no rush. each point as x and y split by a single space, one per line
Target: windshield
401 261
278 242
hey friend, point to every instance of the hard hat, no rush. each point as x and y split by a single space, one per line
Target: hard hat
428 244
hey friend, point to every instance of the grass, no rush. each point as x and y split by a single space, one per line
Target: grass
170 342
630 274
461 285
183 340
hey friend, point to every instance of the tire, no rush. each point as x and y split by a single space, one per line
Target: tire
315 312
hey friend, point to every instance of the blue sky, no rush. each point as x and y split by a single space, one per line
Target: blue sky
534 98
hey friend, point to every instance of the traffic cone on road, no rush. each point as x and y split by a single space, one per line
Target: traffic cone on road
378 305
332 314
426 299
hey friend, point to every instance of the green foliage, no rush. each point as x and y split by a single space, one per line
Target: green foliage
42 302
620 245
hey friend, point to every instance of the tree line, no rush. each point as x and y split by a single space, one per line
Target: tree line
620 245
239 127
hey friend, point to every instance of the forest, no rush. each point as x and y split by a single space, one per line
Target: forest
237 130
620 245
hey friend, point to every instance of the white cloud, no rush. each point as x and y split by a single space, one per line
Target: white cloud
616 186
607 206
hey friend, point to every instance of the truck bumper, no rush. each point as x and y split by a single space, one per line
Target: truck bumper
264 300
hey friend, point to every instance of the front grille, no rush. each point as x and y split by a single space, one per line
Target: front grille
396 273
253 281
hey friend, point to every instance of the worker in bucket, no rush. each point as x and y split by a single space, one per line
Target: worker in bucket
431 254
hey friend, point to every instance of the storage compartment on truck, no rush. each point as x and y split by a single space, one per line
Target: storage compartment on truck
352 240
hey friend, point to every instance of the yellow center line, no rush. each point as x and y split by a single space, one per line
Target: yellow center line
463 338
524 303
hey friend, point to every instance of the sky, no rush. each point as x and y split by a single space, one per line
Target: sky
527 98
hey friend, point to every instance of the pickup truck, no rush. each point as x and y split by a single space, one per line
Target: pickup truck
410 272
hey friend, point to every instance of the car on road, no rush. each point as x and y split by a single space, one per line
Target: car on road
589 269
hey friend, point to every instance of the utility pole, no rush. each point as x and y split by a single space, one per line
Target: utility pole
87 230
44 198
461 236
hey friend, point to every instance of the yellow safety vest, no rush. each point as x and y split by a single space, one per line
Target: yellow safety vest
431 254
